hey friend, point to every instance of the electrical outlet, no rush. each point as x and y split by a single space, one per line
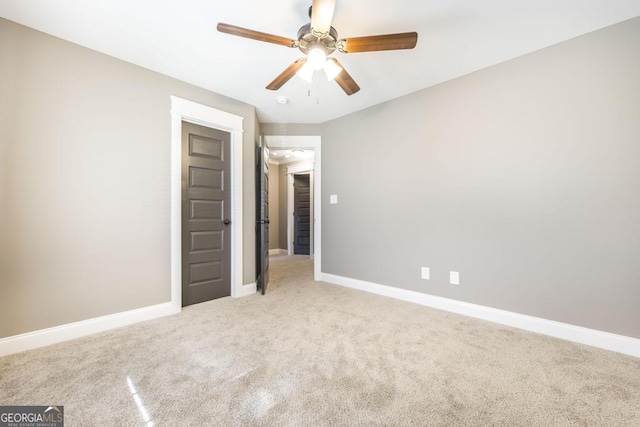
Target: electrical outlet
425 273
454 277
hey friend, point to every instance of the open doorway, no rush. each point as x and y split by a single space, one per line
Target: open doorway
313 169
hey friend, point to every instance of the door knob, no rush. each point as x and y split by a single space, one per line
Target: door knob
226 222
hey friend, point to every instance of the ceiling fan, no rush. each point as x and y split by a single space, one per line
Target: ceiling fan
317 40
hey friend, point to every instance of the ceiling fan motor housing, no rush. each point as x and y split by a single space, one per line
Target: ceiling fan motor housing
308 40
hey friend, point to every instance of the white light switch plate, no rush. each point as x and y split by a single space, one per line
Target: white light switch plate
333 199
425 273
454 277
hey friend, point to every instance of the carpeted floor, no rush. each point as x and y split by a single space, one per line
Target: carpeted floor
310 353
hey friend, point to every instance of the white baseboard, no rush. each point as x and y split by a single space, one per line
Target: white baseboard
249 289
277 251
44 337
56 334
592 337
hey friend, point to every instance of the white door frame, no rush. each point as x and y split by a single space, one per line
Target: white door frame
308 143
188 111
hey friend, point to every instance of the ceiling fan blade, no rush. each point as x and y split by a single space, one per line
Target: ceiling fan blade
375 43
256 35
344 79
286 75
322 15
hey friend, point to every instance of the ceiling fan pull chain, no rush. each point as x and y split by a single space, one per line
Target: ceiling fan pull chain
317 82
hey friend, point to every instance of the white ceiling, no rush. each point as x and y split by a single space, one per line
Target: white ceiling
179 39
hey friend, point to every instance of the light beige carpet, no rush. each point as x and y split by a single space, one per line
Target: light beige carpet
316 354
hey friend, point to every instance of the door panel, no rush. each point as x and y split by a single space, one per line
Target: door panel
302 215
205 272
205 209
206 203
200 146
205 178
205 241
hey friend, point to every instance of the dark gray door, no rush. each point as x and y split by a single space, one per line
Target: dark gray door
301 214
206 213
262 217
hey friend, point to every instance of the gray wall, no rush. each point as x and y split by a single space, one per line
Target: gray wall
290 129
524 177
274 206
85 181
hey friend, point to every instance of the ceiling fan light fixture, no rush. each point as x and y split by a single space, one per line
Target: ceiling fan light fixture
331 69
306 72
316 58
